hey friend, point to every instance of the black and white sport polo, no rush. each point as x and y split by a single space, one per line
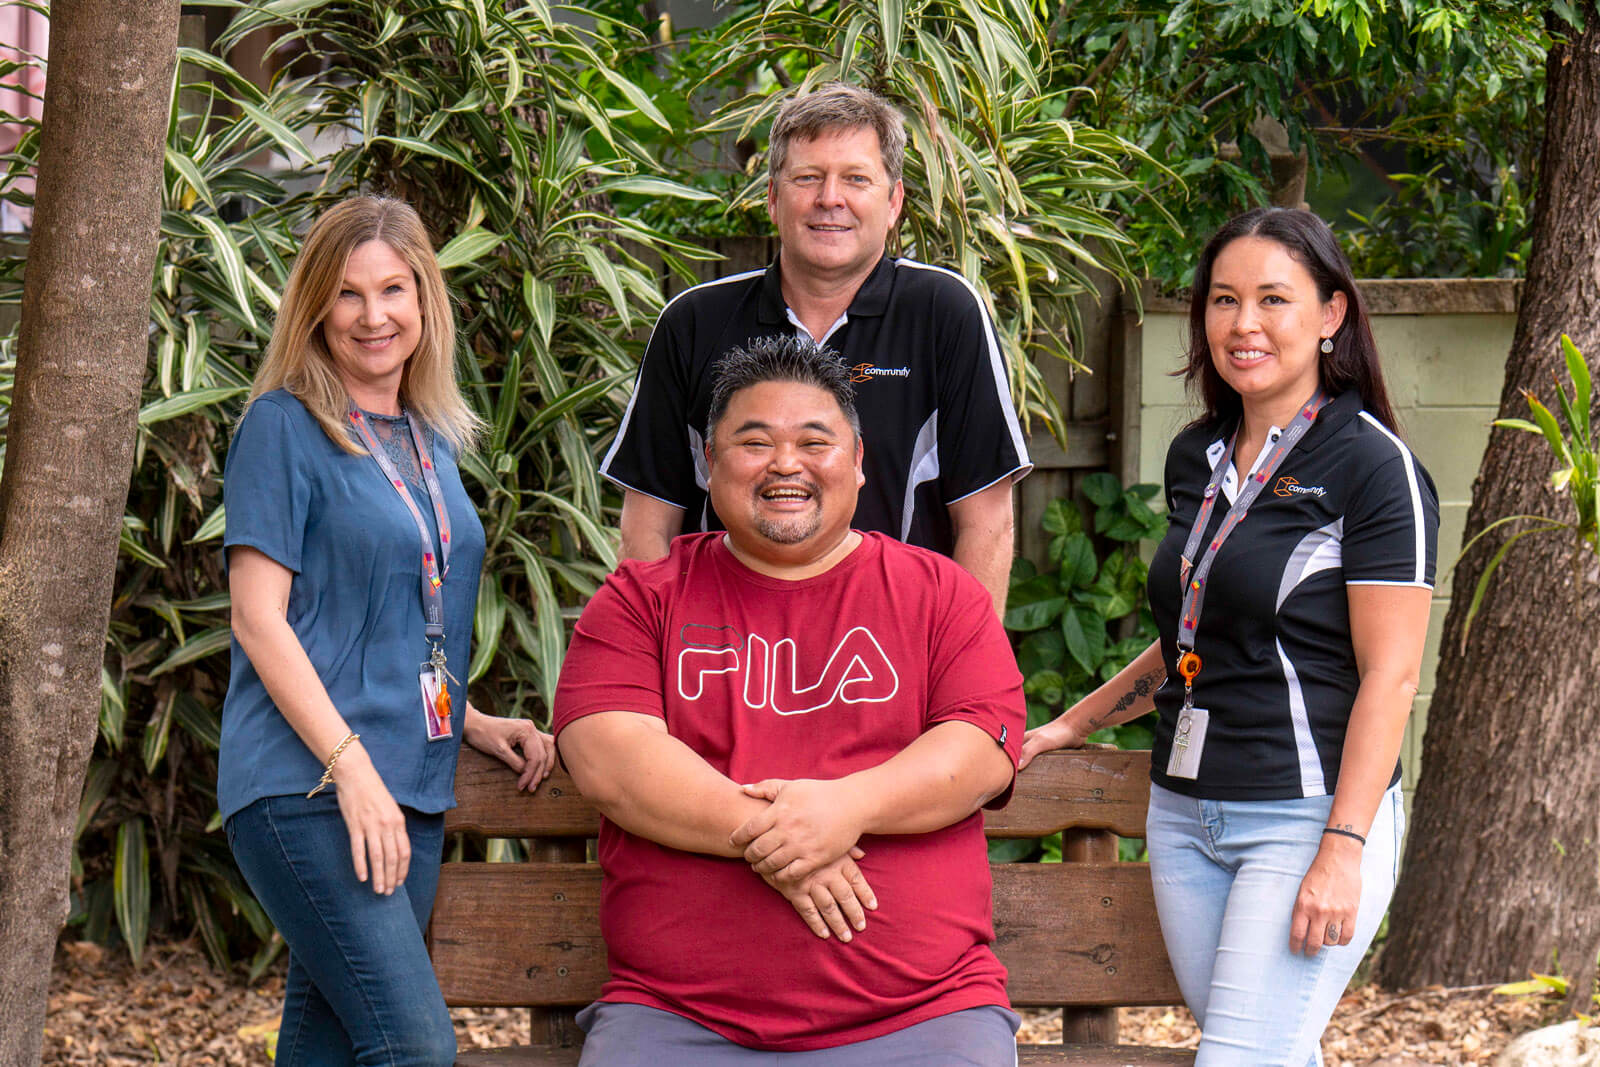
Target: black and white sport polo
936 411
1349 506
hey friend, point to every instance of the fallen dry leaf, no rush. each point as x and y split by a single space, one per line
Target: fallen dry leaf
176 1010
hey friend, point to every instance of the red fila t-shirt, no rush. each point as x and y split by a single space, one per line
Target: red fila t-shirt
819 678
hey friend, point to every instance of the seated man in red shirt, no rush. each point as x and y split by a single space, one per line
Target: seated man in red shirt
863 692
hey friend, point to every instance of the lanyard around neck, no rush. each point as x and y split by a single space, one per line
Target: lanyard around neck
1193 572
433 570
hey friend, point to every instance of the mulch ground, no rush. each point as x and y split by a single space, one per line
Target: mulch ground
176 1010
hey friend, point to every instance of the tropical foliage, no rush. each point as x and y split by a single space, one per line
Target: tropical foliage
509 130
1083 618
1577 475
1002 183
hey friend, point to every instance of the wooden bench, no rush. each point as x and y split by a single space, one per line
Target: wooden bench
1081 934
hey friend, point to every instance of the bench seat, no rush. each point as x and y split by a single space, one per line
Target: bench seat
1081 934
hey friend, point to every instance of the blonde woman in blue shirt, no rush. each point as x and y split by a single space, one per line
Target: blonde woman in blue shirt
353 557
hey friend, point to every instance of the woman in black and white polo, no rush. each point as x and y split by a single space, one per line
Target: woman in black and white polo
1291 641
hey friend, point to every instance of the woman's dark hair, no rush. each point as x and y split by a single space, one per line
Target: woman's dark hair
1353 363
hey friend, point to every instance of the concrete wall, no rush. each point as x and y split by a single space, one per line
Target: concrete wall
1444 347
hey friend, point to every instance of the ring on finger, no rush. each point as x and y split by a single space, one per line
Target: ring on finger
1332 934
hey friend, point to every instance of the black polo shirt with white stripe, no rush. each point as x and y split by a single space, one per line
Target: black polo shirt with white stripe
1349 506
931 389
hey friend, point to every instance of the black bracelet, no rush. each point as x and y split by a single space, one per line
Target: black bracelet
1344 833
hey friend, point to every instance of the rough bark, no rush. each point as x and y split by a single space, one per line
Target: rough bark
82 353
1502 869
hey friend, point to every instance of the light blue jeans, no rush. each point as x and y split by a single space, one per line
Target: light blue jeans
1226 875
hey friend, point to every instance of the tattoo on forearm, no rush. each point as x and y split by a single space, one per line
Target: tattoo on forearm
1143 686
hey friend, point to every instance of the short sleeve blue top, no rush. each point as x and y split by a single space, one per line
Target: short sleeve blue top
354 603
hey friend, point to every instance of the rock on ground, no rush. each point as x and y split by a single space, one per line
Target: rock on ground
1568 1045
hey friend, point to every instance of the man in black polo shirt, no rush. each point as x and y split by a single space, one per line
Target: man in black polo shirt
943 445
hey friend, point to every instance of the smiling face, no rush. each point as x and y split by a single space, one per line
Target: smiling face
785 469
1264 323
374 325
834 204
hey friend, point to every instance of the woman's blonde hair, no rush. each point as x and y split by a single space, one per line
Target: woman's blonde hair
297 356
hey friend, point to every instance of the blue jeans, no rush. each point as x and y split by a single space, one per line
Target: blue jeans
361 988
1226 874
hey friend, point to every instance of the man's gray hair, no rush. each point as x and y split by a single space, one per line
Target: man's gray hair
780 358
839 106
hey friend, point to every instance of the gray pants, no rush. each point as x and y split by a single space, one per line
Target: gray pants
632 1035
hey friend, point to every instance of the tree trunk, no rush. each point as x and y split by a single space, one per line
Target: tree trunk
1501 864
82 353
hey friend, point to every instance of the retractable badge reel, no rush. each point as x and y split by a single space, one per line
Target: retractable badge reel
1189 739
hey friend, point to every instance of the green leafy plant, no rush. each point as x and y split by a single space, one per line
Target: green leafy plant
1083 618
1002 183
1578 476
509 131
1362 89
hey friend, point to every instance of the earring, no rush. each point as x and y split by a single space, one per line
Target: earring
1327 346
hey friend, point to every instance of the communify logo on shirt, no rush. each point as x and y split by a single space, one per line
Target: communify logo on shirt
1290 487
862 372
856 672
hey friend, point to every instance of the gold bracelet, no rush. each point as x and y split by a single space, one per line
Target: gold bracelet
327 772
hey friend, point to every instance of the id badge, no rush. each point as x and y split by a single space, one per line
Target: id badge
1188 741
435 703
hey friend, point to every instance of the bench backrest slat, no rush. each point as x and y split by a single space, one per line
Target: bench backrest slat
1104 789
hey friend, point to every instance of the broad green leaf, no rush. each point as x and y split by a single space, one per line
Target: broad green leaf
1078 563
211 932
1041 650
113 710
648 186
1062 517
1550 428
128 545
184 403
131 886
488 620
1518 424
606 274
156 732
637 97
231 259
190 173
1102 489
1583 388
1085 634
468 247
202 723
540 300
203 644
214 526
392 21
1034 603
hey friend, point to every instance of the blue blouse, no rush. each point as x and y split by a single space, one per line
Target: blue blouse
354 603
